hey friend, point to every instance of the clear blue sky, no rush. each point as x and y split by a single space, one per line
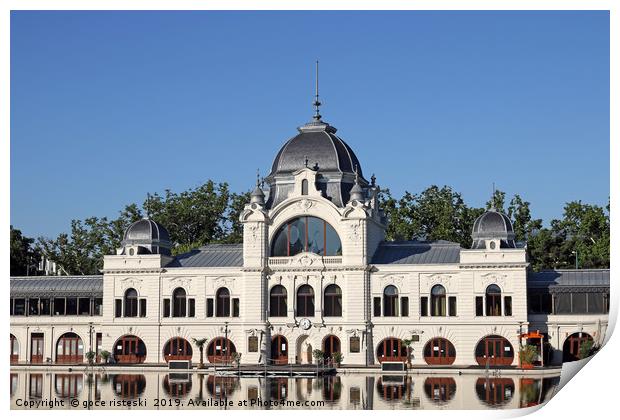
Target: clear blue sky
106 106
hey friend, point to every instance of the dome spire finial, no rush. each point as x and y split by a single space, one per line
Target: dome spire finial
317 103
493 199
147 206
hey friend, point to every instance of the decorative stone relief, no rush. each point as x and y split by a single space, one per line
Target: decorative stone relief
354 231
131 281
224 282
181 282
304 205
393 279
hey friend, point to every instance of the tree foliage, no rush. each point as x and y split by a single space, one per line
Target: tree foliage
24 256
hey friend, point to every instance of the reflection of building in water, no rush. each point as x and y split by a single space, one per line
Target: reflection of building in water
466 391
314 272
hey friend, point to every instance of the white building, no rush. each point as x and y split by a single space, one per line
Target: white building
313 272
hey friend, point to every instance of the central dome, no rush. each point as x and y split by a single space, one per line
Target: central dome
316 144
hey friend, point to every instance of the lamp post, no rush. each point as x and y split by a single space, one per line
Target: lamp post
227 352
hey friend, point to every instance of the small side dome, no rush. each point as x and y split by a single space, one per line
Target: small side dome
493 229
147 236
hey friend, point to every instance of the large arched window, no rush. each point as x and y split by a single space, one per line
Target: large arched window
306 234
131 303
438 300
179 302
69 349
222 304
305 301
333 301
494 350
390 301
277 301
493 297
14 349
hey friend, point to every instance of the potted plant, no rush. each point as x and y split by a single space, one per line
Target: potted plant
527 355
200 343
338 358
318 355
587 349
105 355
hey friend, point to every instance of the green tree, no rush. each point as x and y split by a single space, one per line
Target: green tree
497 201
24 256
523 224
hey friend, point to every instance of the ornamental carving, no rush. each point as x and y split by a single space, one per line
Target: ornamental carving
393 279
181 281
304 205
354 232
131 281
224 282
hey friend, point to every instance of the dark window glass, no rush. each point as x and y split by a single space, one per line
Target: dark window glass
179 302
166 308
546 303
333 301
235 305
45 307
306 234
142 308
131 303
508 305
191 303
494 300
479 306
452 305
424 306
12 304
304 187
278 301
305 301
390 301
118 307
33 306
562 303
438 301
579 303
210 307
596 303
377 306
534 302
84 306
98 306
20 307
71 306
222 303
404 306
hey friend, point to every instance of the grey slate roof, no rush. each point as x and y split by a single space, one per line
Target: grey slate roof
57 286
417 252
557 279
212 255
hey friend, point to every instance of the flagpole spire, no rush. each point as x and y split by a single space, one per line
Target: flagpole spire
317 103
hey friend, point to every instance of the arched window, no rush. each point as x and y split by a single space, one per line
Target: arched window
14 349
304 187
177 348
220 350
390 301
333 301
179 302
222 304
494 350
305 301
438 300
571 350
439 351
69 349
277 301
391 350
306 234
279 350
131 303
129 349
493 300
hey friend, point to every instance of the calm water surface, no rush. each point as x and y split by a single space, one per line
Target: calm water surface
162 390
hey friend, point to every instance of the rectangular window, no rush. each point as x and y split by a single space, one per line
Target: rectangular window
235 308
562 303
45 306
508 305
354 345
142 308
166 308
33 306
579 303
72 306
20 307
534 302
452 305
12 302
84 306
59 306
118 308
191 303
596 303
404 306
377 306
98 306
210 307
424 306
479 306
